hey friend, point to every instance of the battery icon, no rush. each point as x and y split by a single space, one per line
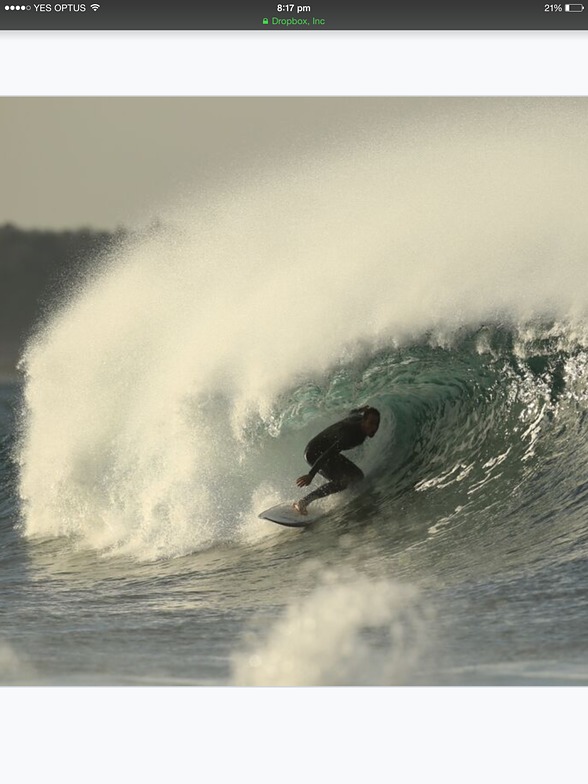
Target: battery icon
574 8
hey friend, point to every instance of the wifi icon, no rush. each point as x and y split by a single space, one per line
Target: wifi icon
94 6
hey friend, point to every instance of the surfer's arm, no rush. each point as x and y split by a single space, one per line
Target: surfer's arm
304 481
321 460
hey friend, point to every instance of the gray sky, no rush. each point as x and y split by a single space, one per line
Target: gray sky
103 162
107 162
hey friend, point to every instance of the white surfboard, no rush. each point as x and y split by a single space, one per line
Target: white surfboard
285 514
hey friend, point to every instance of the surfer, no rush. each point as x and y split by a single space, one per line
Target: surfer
323 454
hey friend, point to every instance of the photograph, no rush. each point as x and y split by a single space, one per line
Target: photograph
293 391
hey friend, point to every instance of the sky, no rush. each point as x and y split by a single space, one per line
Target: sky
105 162
108 162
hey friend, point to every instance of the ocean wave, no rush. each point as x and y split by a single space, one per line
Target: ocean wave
441 280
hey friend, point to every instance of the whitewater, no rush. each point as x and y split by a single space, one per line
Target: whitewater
436 272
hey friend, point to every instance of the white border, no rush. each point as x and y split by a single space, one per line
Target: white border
293 63
291 735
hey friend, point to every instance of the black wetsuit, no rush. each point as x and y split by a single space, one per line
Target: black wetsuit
323 455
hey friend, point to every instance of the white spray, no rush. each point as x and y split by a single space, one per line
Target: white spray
140 391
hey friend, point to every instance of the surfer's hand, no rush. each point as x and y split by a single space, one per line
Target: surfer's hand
302 481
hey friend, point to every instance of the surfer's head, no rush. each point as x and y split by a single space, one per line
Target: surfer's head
370 421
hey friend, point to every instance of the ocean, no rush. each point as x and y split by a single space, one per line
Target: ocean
167 398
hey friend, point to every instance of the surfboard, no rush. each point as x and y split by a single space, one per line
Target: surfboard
285 514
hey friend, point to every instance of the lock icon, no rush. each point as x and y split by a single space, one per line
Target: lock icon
265 20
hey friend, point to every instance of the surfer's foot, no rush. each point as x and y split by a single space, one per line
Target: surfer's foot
300 507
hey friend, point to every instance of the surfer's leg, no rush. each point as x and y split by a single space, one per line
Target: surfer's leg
321 492
341 472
